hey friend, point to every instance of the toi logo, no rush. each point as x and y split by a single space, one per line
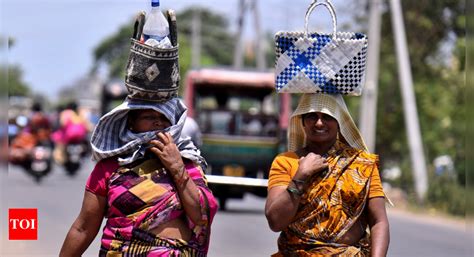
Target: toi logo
22 224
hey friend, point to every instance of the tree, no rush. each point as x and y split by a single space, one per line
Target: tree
13 75
113 51
217 43
435 35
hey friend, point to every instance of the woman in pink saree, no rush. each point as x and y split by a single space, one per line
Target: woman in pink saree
148 183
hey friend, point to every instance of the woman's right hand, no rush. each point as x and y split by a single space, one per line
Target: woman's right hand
309 165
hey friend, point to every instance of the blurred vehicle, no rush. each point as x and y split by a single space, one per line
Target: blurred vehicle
40 163
113 94
31 147
72 133
36 160
243 124
13 129
74 154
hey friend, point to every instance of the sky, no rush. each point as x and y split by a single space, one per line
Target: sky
54 39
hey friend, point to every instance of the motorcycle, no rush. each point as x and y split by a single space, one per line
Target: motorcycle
35 156
74 154
40 162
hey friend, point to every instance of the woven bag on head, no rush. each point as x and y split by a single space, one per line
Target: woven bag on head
152 73
312 62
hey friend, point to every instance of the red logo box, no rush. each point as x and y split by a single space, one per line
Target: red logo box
23 224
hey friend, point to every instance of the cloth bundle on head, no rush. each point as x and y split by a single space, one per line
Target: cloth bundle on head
332 105
111 136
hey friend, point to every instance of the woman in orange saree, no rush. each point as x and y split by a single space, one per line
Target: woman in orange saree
325 191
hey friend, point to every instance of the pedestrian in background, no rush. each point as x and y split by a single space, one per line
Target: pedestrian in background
325 193
191 129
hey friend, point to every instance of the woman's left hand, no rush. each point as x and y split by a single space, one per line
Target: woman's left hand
165 148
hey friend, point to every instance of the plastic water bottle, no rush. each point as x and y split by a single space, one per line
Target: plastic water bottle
156 26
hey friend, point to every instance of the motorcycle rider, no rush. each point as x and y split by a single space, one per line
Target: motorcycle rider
72 129
37 131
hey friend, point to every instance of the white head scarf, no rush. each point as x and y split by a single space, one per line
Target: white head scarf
332 105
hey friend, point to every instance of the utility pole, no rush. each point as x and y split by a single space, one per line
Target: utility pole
238 56
409 102
251 5
196 39
260 55
368 108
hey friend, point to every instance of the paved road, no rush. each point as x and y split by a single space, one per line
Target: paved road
413 235
240 231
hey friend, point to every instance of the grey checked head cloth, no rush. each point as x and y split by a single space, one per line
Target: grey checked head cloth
111 136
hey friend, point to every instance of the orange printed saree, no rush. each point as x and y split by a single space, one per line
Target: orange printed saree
333 202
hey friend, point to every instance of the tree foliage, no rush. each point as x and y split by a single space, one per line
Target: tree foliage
217 43
113 51
13 75
435 33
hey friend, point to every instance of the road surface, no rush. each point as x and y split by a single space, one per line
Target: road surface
240 231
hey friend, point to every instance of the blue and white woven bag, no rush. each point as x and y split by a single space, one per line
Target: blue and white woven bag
320 63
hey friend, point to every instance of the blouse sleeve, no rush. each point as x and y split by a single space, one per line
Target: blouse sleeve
280 172
375 189
97 181
207 201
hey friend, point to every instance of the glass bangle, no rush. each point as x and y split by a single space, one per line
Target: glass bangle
294 191
298 182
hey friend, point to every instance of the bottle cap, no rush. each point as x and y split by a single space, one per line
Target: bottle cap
155 3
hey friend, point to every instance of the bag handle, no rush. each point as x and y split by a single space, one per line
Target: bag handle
138 25
329 6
